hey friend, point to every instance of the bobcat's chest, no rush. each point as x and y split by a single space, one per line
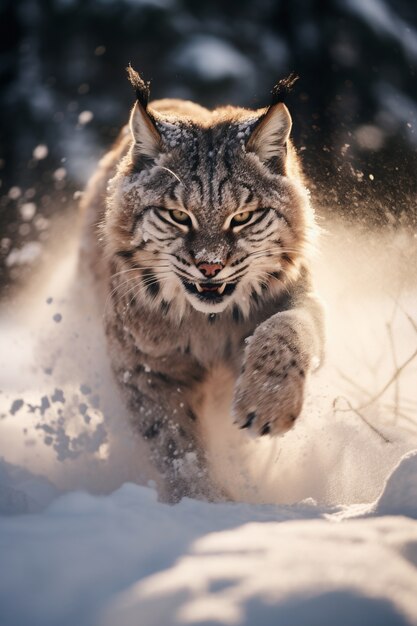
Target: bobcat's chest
207 340
211 343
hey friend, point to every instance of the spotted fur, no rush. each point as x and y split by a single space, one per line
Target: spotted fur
198 229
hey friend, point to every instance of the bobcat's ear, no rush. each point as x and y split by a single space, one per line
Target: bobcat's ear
268 139
147 139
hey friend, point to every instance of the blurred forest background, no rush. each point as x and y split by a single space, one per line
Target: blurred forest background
64 94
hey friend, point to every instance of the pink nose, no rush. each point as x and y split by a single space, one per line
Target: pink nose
210 269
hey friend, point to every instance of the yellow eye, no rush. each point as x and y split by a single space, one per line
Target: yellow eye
181 217
241 218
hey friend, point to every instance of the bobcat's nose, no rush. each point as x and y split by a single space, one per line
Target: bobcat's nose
210 269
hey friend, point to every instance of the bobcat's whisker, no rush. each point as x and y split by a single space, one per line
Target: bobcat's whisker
162 167
139 269
138 289
136 283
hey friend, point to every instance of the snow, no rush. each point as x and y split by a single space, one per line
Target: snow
85 117
399 108
385 21
14 193
126 557
399 496
369 137
60 173
213 58
40 152
25 255
175 134
324 524
28 210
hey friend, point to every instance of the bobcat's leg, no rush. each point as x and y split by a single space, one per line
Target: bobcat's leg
163 416
270 390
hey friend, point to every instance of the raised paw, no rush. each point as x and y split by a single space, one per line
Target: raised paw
269 392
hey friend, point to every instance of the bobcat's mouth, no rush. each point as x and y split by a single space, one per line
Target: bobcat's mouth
210 292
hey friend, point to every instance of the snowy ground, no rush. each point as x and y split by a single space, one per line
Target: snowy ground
323 528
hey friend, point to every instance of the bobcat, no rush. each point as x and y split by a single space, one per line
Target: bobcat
197 230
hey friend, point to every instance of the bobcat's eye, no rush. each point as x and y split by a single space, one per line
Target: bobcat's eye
181 217
241 218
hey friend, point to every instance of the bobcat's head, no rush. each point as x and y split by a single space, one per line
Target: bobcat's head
208 208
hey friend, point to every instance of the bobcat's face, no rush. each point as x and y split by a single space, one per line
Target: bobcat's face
213 219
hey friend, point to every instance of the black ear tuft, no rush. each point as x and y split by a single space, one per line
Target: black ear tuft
283 88
142 88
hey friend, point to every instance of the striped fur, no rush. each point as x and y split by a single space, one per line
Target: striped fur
187 188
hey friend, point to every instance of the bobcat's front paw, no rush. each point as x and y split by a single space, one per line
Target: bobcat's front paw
269 392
